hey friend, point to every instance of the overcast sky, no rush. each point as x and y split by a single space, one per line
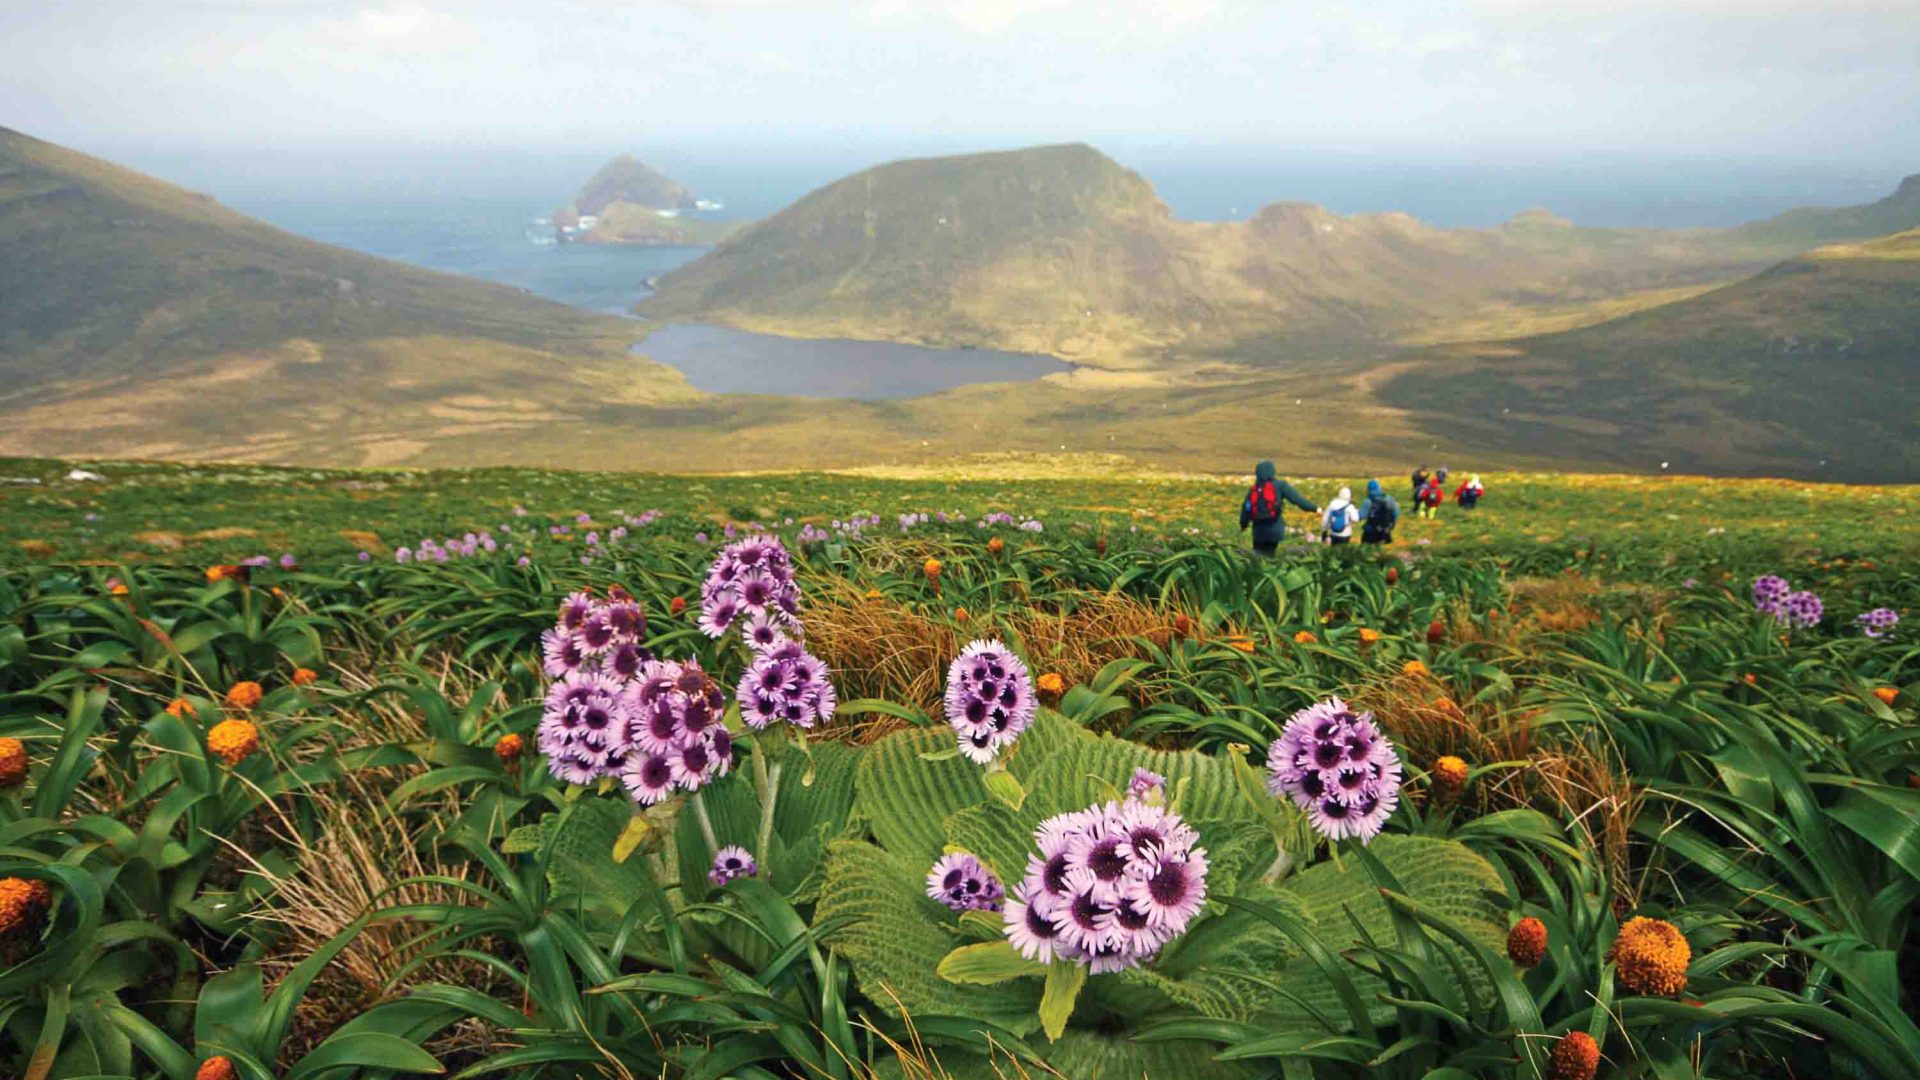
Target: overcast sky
1833 80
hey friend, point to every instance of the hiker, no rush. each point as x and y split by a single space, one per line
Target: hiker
1440 474
1337 520
1261 510
1431 496
1419 484
1469 494
1378 516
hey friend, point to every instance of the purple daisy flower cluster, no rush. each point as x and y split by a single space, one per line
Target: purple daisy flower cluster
678 740
466 546
989 699
751 581
963 883
1001 518
1111 885
730 862
1146 785
1339 767
1803 609
596 636
1770 594
786 683
1879 622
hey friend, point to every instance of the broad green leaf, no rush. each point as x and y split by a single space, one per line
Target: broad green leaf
1064 983
987 964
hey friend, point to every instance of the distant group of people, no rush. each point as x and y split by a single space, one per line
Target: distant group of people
1342 519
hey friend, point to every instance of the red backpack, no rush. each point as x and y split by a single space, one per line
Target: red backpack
1264 501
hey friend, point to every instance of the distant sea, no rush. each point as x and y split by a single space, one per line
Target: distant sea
466 210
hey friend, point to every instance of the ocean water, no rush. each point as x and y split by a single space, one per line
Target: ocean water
465 209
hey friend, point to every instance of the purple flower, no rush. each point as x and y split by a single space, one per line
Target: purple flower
1338 767
1146 785
1110 886
1879 622
989 699
523 561
963 884
287 561
786 683
583 727
730 862
363 556
700 538
1802 609
402 555
1770 594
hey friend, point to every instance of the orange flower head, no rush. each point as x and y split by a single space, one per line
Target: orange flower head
932 569
1449 776
1100 546
216 1068
1393 574
996 545
1304 637
1368 635
959 614
875 594
1414 668
226 572
244 694
1887 695
1527 942
233 741
24 903
1493 614
677 605
181 708
305 676
1182 624
1574 1057
1436 630
1651 957
1245 645
13 763
1749 679
1052 683
119 588
509 748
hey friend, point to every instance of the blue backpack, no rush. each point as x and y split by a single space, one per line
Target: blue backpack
1337 519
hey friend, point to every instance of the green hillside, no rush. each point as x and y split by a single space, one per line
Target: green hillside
1816 360
150 318
1058 249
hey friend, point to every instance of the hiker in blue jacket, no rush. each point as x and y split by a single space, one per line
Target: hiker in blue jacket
1261 508
1378 516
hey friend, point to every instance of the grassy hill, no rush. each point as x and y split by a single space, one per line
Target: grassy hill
1816 360
144 316
1058 249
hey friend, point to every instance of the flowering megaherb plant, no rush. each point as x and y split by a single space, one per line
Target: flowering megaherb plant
989 699
1772 595
1339 767
1111 886
960 881
1879 622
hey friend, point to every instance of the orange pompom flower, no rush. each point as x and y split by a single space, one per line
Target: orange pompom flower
1245 645
1449 777
932 569
1368 635
677 605
1051 683
1887 695
181 708
244 694
233 741
1304 637
996 545
1393 574
1527 942
1414 668
13 762
217 1067
959 614
24 903
508 749
1436 630
1651 957
1575 1057
305 676
875 594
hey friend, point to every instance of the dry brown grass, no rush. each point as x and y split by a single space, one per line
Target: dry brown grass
1594 792
881 649
1426 723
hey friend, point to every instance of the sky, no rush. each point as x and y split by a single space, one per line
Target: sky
1832 81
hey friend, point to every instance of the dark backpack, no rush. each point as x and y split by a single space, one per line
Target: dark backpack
1263 502
1380 519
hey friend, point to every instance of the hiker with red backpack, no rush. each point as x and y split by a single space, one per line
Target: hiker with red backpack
1431 496
1261 509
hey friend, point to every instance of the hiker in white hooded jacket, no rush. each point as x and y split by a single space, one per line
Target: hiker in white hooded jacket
1340 518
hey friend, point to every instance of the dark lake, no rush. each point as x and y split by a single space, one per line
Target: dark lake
721 360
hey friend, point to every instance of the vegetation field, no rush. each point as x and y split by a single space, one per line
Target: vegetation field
543 774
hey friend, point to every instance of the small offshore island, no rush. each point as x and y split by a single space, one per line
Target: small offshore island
628 202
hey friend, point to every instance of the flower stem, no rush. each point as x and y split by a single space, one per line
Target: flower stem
706 824
768 781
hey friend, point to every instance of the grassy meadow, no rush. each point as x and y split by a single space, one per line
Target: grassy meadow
430 812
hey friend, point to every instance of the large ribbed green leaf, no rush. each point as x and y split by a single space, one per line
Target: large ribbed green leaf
1088 1055
580 863
896 938
906 798
1206 970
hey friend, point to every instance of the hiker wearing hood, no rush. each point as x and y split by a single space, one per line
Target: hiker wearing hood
1379 516
1420 476
1337 520
1261 508
1469 494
